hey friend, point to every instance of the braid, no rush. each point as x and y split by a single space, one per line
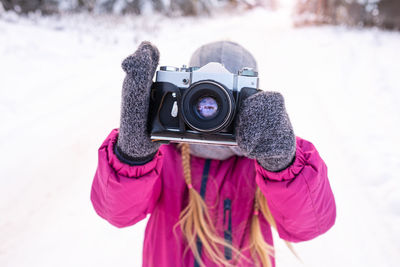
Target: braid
195 221
257 243
260 250
185 152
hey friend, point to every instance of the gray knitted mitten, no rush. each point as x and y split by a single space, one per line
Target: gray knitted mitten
134 145
264 131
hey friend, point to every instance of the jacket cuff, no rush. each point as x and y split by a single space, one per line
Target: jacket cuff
130 160
123 167
290 172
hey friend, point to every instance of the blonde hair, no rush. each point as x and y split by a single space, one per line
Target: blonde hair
195 223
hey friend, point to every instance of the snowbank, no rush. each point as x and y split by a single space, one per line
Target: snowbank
60 96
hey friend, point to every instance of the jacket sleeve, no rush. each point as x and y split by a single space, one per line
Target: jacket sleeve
124 194
299 197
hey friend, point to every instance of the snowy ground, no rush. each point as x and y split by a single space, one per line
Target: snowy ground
60 94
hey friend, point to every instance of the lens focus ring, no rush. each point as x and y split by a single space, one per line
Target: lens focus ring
207 106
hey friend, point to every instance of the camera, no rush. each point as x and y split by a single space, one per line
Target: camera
198 105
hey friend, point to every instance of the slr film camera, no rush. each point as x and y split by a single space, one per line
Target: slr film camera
198 105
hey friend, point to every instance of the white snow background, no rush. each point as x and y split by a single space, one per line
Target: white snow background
60 86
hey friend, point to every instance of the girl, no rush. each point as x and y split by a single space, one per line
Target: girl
211 205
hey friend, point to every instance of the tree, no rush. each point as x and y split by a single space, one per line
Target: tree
381 13
171 7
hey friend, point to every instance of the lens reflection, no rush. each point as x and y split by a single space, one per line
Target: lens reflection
207 107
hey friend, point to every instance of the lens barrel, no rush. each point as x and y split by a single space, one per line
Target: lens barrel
207 106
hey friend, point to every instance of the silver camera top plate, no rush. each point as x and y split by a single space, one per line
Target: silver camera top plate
185 77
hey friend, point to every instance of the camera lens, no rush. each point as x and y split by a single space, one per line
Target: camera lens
207 107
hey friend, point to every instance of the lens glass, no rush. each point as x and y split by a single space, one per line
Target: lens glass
207 107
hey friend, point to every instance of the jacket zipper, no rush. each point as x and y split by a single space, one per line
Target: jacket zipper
228 227
203 188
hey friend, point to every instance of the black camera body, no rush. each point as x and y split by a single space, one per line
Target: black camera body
198 105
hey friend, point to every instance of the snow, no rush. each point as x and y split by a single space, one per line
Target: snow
60 97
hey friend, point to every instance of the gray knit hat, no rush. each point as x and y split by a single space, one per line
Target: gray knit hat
230 54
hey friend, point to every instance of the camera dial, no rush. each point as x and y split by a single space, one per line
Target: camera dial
249 72
169 68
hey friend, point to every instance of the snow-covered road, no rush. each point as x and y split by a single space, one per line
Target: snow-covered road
60 83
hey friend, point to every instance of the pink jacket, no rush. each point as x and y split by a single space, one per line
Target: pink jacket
299 197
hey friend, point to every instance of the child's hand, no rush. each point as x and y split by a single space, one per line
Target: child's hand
264 131
133 140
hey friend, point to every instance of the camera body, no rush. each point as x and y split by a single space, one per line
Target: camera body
198 105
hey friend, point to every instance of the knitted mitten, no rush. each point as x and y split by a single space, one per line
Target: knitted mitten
264 131
134 142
